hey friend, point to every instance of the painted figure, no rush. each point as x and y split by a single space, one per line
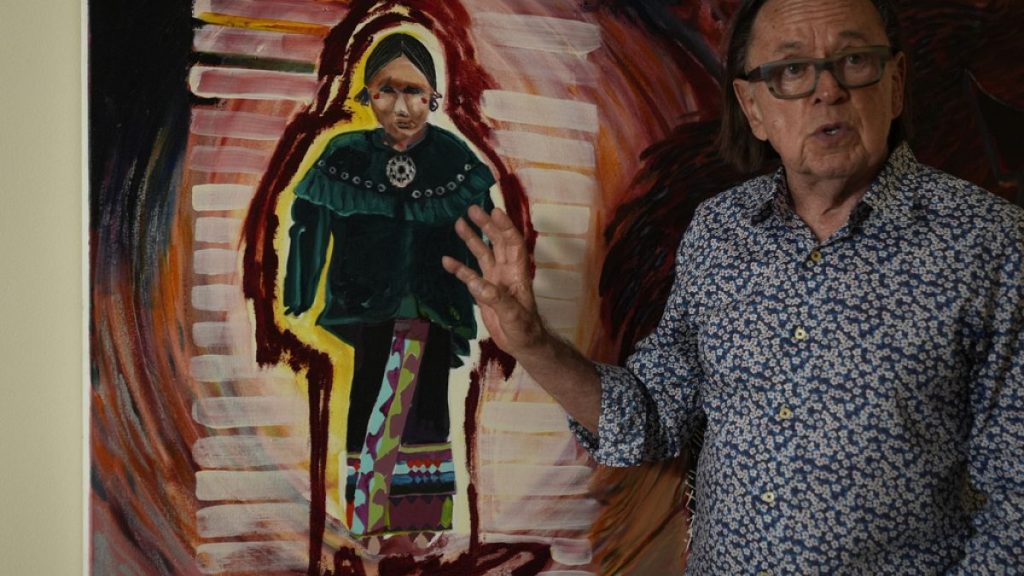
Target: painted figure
388 198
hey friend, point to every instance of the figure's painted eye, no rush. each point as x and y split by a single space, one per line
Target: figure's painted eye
416 90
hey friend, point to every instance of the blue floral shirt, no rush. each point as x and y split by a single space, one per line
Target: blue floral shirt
863 396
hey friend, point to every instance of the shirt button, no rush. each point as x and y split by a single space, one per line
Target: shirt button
815 256
785 413
764 573
768 497
800 334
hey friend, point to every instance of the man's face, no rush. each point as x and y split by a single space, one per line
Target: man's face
400 99
834 133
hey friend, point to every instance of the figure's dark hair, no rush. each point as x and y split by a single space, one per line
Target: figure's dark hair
736 143
393 47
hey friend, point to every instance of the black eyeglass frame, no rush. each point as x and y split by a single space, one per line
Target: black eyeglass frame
763 72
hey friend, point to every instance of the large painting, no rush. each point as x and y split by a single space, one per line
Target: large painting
283 378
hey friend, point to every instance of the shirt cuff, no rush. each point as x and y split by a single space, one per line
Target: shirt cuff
617 440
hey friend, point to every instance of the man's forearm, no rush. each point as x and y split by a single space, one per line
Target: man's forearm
567 376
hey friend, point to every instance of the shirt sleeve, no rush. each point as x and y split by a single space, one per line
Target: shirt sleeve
996 443
651 407
309 236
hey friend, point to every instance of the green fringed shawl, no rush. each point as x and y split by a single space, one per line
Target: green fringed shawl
350 178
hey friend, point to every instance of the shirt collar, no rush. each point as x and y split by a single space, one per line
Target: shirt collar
888 195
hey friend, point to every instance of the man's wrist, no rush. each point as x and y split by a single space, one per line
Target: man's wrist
542 349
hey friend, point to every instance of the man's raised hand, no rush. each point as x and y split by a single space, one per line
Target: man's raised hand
504 290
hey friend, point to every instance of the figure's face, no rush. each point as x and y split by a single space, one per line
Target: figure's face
834 133
400 99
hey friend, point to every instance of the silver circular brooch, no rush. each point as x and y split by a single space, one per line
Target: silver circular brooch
400 170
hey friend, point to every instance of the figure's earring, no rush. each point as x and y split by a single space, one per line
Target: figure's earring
434 104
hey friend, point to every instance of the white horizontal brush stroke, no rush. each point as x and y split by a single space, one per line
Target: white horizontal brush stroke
258 43
233 124
217 297
506 447
528 417
558 284
252 520
533 480
221 557
245 451
537 32
559 314
556 219
558 186
539 110
217 82
245 411
217 197
552 68
545 149
272 485
228 160
218 230
559 250
221 368
539 514
208 334
211 261
567 551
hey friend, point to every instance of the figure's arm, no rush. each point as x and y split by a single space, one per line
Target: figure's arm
622 415
310 233
996 444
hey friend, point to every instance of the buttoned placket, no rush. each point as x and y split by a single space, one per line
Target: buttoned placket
777 408
807 259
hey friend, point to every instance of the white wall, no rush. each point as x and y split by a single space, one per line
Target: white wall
40 288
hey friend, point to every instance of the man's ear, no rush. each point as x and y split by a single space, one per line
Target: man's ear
744 92
899 83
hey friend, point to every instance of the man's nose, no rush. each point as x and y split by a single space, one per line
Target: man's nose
829 89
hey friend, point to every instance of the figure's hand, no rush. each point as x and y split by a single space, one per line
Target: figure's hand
505 290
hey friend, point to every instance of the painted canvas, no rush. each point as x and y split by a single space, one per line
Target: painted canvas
283 378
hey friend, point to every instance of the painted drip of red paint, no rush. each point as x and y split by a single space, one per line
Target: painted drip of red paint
520 559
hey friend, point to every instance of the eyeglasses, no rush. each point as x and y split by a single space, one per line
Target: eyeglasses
798 77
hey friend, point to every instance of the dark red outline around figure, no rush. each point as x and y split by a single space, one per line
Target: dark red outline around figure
344 47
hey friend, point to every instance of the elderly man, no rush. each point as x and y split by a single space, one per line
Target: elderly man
850 327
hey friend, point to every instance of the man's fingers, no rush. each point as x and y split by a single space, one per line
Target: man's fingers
510 317
481 251
482 291
479 216
484 222
509 245
501 220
